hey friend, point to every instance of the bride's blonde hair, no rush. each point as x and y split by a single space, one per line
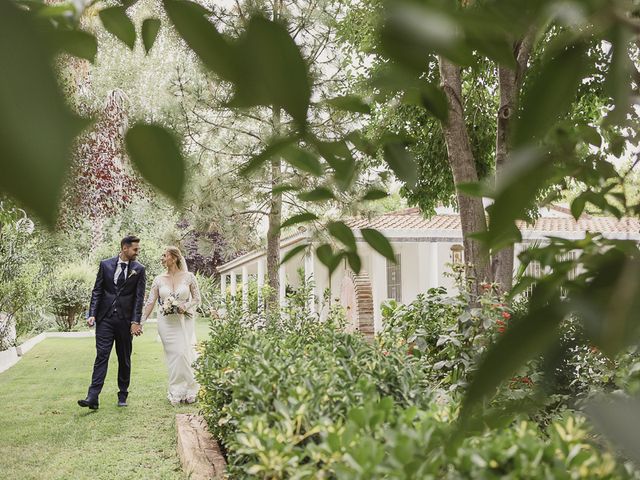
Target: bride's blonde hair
176 254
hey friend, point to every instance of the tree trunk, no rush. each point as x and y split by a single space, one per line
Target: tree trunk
275 220
509 82
503 260
472 215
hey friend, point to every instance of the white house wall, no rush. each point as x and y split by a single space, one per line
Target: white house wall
291 271
425 261
409 269
322 281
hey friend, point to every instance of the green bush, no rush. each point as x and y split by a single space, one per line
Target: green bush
32 289
26 257
381 441
33 320
445 332
70 294
422 320
301 399
318 403
298 381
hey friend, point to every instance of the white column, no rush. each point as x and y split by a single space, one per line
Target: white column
434 265
223 285
260 284
234 283
309 275
424 264
378 277
245 287
282 280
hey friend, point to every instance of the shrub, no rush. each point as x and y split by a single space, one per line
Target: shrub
421 321
330 405
70 295
381 441
299 398
32 320
16 236
295 381
445 332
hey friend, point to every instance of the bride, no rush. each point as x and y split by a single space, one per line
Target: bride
176 292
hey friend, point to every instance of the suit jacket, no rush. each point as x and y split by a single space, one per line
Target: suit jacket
126 301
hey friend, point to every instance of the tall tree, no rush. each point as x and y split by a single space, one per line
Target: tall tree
226 139
463 134
510 81
461 160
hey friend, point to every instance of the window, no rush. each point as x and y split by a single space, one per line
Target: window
394 276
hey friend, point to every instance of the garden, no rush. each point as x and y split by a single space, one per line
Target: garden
235 127
302 399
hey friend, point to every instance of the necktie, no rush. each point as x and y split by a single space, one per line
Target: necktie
121 277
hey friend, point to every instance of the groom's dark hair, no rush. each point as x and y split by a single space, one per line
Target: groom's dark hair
128 240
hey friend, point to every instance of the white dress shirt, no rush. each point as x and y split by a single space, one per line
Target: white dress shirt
118 269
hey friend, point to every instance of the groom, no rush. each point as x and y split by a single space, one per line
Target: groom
116 309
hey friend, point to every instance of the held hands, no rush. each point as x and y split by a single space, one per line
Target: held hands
136 329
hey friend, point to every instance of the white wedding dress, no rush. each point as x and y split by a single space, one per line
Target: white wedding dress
177 332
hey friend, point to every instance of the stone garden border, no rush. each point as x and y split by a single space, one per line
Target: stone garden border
199 453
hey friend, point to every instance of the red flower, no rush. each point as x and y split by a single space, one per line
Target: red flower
516 380
500 322
501 330
385 353
506 315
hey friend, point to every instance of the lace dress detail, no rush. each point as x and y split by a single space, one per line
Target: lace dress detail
177 332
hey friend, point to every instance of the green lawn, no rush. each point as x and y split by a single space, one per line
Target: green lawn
45 435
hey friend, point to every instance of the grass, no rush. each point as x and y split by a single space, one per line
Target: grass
44 434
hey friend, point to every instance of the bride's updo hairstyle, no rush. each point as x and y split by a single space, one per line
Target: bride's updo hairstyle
176 254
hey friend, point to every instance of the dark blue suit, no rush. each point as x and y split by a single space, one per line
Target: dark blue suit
115 309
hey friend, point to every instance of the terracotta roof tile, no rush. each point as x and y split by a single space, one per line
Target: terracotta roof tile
412 219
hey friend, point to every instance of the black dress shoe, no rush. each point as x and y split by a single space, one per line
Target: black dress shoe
122 403
88 403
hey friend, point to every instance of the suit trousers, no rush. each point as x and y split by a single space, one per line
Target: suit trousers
112 329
